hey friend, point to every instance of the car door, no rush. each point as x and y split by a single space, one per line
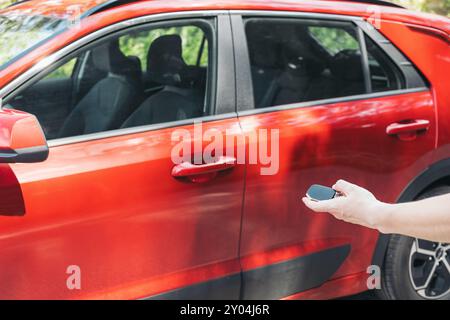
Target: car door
312 85
110 215
406 123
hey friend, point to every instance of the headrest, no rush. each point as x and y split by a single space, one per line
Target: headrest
264 47
264 54
100 58
165 63
299 60
132 70
109 58
314 67
347 65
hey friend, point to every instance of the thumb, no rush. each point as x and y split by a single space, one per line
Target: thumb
344 187
319 206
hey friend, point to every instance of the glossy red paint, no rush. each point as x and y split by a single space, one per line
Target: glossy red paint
113 207
20 130
326 143
11 199
435 69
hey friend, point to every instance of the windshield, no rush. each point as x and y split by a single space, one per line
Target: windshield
19 33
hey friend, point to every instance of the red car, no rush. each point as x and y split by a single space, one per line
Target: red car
93 207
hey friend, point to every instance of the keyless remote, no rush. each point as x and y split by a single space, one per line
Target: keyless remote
319 193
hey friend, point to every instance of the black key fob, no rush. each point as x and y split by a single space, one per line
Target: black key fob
319 193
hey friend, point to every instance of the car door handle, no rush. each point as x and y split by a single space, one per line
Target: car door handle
187 169
407 127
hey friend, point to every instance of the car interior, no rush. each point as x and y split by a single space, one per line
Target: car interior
111 100
109 90
183 87
289 65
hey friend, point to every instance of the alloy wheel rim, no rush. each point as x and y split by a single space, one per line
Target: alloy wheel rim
429 268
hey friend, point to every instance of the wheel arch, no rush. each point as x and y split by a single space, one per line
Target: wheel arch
435 175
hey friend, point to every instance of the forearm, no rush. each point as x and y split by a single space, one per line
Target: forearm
424 219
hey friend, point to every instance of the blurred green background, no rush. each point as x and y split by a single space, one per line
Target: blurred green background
441 7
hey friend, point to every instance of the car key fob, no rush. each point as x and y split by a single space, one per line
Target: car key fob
320 193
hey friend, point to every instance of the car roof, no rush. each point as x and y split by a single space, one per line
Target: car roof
65 8
70 9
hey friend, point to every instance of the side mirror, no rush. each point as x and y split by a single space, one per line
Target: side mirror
21 138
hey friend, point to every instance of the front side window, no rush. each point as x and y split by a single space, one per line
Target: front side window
64 72
149 75
294 61
194 45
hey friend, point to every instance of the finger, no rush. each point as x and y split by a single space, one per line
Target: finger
344 187
318 206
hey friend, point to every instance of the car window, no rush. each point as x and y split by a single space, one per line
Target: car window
64 72
384 74
195 49
332 39
150 75
295 61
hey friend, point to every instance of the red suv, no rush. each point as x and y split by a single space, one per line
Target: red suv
92 205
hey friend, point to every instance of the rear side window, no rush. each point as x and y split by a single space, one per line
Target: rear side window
294 61
333 40
384 74
303 60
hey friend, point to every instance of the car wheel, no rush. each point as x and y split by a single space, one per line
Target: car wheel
416 269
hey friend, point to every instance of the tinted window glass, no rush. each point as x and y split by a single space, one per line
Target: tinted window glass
143 77
295 61
66 71
334 39
384 74
195 51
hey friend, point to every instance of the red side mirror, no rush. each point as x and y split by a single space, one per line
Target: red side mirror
21 138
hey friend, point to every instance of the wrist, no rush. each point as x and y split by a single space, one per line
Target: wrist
382 216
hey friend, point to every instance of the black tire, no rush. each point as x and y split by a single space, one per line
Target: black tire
397 278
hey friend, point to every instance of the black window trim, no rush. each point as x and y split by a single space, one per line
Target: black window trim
361 26
365 60
222 102
411 74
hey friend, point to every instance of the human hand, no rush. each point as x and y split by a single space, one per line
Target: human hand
355 205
